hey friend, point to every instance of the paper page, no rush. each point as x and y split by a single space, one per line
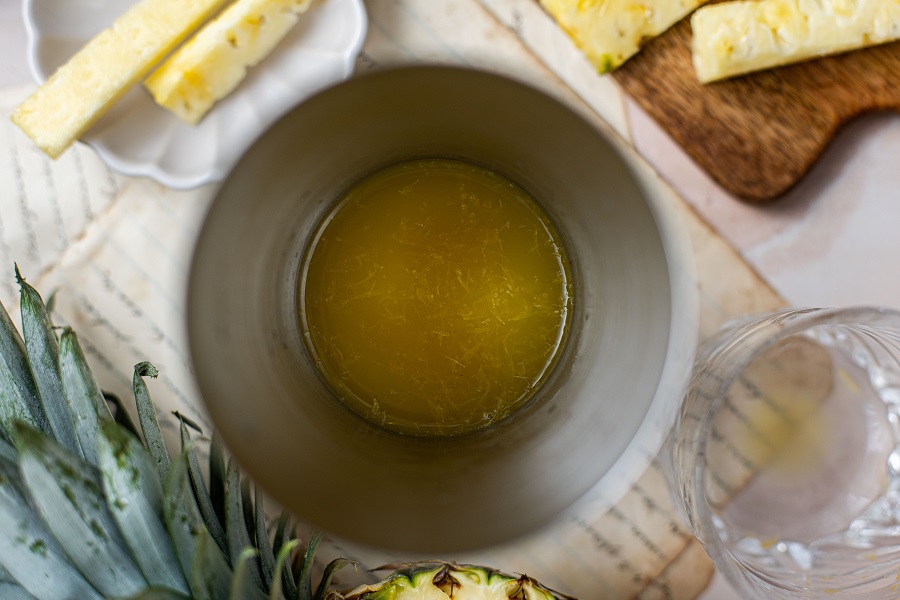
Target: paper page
685 577
116 250
46 205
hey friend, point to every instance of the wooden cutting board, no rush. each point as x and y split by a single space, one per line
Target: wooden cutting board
759 134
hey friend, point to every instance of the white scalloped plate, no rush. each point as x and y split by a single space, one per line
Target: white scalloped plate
137 137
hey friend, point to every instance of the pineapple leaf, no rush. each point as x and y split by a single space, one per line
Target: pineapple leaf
282 581
181 514
135 497
238 539
67 492
185 524
247 507
14 591
211 576
330 569
42 348
304 578
51 302
159 594
30 554
217 474
244 585
266 554
19 397
8 454
284 538
85 400
204 503
120 414
147 417
188 421
282 534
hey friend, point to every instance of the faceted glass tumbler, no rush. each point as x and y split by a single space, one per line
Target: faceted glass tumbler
786 453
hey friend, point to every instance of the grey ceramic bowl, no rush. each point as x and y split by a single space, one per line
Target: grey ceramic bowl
594 426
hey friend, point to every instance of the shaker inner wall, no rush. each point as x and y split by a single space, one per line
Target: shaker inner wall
435 297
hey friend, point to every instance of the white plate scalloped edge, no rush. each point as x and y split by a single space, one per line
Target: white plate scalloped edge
138 137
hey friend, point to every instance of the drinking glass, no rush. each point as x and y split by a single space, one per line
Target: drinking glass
786 454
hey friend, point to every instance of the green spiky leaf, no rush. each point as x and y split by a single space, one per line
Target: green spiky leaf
147 417
194 547
120 413
30 553
330 569
244 585
159 594
217 474
283 581
266 554
67 492
304 578
20 400
42 349
238 539
135 497
282 532
247 506
183 520
14 591
201 493
88 407
211 576
8 454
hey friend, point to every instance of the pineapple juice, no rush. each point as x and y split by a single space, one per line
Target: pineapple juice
435 297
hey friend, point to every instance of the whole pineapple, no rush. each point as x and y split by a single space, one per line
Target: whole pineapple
90 511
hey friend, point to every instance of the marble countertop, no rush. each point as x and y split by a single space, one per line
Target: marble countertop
831 241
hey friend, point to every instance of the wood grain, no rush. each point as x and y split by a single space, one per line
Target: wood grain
759 134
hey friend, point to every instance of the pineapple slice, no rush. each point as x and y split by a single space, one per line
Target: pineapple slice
212 64
612 31
739 37
84 88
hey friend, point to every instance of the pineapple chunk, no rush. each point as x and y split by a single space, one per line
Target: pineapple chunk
212 64
739 37
84 88
610 32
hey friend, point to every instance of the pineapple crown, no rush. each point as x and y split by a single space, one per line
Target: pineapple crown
93 508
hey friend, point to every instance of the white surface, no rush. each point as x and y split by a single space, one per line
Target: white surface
137 137
832 240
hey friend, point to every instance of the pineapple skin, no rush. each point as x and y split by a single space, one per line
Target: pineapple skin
213 63
740 37
84 88
609 32
441 581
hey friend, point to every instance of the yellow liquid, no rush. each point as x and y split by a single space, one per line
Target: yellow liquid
435 297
